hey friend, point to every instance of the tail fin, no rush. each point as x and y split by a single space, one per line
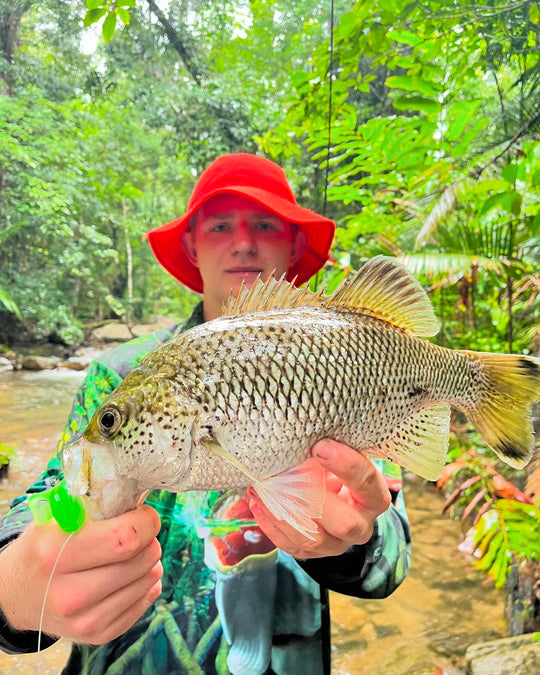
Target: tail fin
511 384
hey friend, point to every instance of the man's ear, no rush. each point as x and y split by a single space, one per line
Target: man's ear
299 244
187 242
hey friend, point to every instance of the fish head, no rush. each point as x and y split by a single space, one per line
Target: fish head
138 440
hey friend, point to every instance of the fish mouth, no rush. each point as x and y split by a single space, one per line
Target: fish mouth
90 473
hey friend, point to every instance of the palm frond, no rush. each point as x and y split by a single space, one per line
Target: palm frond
444 205
450 265
7 301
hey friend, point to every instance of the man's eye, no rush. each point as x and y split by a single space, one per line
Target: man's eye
219 227
265 225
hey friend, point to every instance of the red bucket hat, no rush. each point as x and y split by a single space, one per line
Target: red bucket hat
262 181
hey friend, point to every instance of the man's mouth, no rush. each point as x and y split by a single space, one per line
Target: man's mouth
244 270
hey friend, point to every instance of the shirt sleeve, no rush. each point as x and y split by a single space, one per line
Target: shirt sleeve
100 381
377 568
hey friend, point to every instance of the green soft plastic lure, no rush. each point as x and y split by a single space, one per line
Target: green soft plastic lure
58 504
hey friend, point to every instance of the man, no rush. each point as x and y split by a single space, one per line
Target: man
243 599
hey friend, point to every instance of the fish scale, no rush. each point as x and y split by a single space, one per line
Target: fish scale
327 394
240 400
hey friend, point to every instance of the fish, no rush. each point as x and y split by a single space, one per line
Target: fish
239 401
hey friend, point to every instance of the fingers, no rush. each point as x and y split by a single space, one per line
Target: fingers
128 618
93 585
291 541
357 472
102 542
356 494
117 612
111 617
349 525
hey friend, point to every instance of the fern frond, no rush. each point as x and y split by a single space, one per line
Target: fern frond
508 532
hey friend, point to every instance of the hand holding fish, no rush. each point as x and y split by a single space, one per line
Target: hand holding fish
356 493
105 580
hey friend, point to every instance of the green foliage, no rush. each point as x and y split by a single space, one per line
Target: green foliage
433 151
7 453
433 154
9 303
506 534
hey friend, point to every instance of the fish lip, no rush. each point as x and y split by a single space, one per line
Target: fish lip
111 499
90 473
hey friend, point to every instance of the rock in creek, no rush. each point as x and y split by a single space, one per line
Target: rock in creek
5 364
112 332
518 655
33 362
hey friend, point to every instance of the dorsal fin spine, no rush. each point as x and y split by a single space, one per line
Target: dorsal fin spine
382 288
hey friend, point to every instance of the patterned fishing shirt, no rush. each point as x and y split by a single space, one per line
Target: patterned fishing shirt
231 602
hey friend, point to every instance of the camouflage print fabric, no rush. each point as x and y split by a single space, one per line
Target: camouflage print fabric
231 602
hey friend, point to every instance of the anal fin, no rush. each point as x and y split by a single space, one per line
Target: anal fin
421 443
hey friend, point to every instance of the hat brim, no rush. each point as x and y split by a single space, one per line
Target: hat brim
165 241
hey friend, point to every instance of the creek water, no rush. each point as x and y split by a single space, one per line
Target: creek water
443 606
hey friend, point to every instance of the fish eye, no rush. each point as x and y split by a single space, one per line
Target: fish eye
109 421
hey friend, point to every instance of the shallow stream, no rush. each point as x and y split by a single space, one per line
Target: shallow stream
423 628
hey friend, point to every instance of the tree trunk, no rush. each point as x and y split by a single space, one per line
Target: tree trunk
11 13
129 265
523 598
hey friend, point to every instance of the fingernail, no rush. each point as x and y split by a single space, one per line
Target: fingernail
324 451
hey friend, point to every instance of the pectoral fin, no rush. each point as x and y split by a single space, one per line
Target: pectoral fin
296 496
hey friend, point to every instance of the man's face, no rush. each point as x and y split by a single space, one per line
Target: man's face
234 240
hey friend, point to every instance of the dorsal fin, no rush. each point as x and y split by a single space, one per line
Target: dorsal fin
271 294
384 288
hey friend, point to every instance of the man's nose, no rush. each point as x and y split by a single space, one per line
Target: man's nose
244 240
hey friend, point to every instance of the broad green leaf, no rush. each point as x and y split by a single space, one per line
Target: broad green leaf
413 83
405 37
460 114
503 199
93 16
109 26
516 204
534 13
428 87
426 105
401 82
487 185
510 173
94 4
126 3
124 15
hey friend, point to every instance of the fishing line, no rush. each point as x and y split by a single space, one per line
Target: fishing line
330 78
318 276
47 593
